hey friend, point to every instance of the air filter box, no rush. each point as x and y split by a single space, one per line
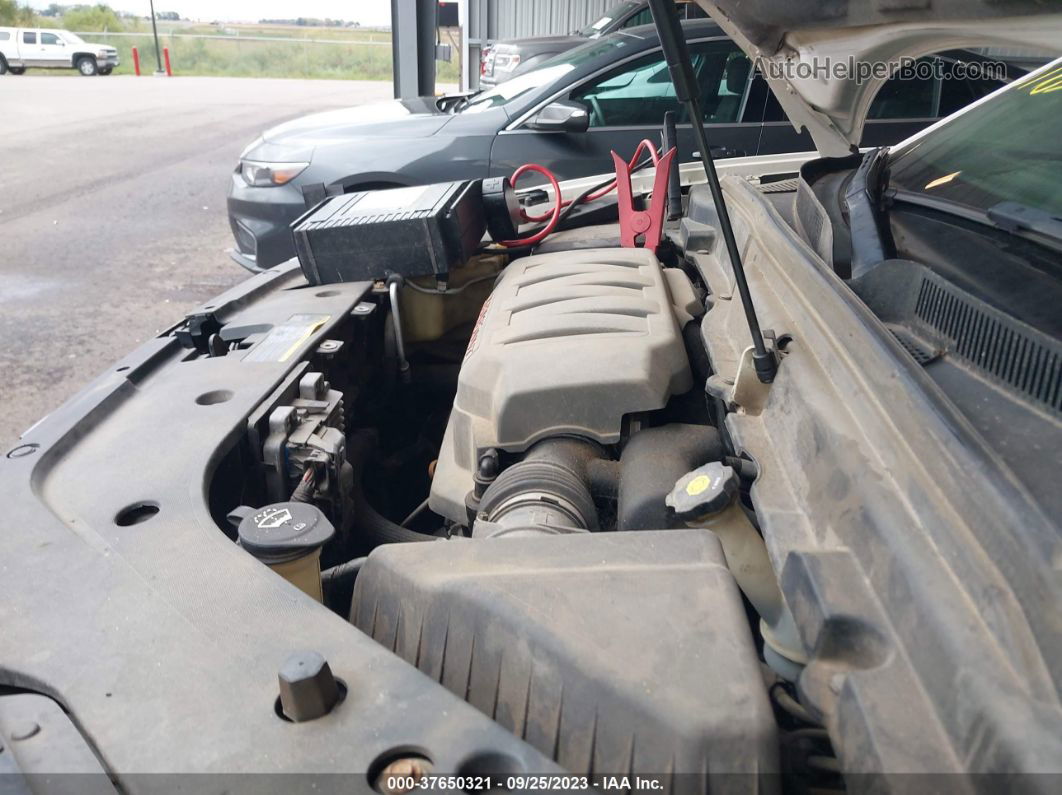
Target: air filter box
611 652
420 231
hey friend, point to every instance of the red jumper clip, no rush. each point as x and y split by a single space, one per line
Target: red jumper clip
649 223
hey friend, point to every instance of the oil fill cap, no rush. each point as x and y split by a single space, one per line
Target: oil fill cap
703 492
284 531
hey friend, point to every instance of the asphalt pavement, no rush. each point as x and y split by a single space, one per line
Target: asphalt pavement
112 214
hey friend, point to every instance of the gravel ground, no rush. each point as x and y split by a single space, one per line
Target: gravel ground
112 214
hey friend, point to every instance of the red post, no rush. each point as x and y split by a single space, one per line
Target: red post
166 58
136 62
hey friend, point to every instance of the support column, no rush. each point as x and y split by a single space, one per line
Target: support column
413 31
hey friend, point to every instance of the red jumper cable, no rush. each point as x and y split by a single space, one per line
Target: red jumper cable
553 215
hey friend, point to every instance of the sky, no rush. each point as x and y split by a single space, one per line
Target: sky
367 12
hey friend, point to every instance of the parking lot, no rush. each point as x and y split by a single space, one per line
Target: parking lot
112 214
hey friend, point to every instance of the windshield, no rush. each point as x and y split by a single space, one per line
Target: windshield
595 28
72 38
1007 149
551 70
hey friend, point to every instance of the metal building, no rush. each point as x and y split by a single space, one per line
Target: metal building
489 20
509 19
482 21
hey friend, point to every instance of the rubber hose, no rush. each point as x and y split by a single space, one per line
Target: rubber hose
377 529
650 464
551 484
368 523
341 572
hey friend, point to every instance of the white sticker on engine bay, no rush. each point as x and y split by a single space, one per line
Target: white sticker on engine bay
280 343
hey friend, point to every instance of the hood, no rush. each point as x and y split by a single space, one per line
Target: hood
798 43
400 118
537 42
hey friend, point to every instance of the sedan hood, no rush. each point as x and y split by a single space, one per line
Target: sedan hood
405 118
798 43
536 43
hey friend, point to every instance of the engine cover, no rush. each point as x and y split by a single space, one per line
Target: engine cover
568 343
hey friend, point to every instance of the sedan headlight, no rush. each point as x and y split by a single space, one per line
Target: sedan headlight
266 175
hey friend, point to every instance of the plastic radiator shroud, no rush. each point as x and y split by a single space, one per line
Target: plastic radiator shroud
614 653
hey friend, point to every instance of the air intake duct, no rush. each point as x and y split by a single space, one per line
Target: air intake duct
652 461
547 493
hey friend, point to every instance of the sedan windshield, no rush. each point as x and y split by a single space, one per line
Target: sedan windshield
1006 149
550 71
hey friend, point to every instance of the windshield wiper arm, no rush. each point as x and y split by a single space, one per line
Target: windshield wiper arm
455 103
1013 217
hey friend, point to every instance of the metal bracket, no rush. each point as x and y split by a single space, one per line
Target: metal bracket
749 392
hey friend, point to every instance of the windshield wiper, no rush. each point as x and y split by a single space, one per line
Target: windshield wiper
466 100
1014 217
456 103
1011 217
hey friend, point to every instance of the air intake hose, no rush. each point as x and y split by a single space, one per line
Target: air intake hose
547 493
652 461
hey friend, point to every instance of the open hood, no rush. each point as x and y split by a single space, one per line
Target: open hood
797 44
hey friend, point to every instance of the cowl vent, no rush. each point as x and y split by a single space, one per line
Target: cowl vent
932 317
1016 355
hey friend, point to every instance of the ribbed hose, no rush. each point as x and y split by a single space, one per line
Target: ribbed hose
548 492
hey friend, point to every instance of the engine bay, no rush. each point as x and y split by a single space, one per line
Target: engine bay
513 473
527 427
543 517
747 486
538 512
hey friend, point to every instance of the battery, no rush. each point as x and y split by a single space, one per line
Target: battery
417 231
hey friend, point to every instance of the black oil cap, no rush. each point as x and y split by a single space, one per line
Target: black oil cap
284 531
703 492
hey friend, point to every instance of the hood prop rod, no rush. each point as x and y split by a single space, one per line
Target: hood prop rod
673 43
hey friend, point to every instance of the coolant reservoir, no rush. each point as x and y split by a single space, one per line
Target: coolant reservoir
426 316
705 498
287 537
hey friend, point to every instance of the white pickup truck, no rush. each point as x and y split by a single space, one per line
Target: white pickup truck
23 48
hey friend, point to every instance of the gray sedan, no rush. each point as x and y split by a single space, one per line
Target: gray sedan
567 115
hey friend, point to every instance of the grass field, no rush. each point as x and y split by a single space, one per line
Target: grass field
240 51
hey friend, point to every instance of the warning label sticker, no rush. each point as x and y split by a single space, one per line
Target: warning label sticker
284 340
